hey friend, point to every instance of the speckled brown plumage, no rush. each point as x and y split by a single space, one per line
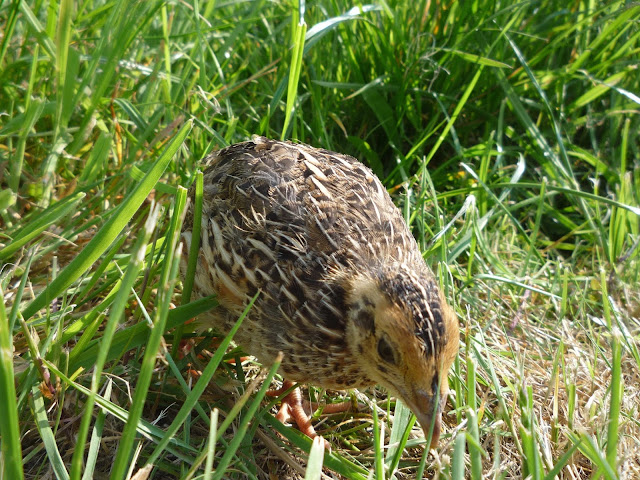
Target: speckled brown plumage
344 291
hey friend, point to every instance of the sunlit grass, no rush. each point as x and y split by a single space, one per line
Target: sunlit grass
507 134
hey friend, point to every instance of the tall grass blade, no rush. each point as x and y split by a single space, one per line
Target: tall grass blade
617 391
117 309
96 437
314 464
55 213
110 230
403 421
47 436
9 420
294 74
167 283
201 384
211 445
244 423
457 462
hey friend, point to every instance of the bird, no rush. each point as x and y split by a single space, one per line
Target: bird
343 291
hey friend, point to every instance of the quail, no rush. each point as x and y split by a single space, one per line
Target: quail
343 290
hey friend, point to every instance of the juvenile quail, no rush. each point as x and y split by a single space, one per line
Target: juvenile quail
344 291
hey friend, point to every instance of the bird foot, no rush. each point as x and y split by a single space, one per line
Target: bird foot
293 408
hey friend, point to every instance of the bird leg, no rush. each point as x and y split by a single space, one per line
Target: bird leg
292 408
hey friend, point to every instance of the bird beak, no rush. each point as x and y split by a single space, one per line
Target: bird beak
428 410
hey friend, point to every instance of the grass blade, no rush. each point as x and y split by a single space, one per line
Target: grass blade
457 462
211 446
617 391
200 386
47 436
54 213
314 465
9 428
294 74
96 437
119 304
167 283
244 423
110 230
403 421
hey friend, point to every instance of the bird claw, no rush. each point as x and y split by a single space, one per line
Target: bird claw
284 413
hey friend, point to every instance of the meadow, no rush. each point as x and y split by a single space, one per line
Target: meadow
506 133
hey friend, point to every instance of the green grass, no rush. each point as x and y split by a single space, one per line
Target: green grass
506 132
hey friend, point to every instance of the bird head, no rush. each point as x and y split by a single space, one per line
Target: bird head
405 337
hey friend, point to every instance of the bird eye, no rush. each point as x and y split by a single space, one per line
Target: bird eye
385 350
